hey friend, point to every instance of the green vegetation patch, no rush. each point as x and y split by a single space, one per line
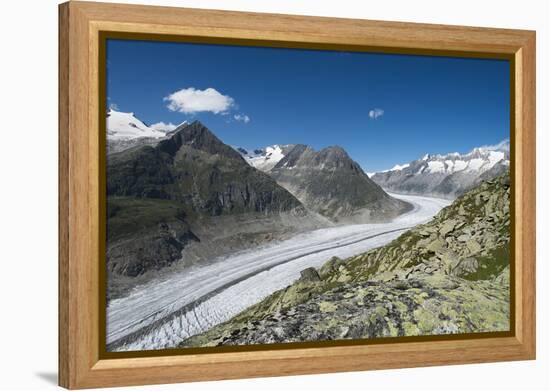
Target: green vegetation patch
492 265
128 215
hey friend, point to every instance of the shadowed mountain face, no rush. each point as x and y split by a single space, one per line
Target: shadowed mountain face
330 183
195 168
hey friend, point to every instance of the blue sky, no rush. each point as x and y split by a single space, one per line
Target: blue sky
383 109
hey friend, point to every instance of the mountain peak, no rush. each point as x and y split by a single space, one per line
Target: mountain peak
334 149
198 124
334 152
196 135
332 184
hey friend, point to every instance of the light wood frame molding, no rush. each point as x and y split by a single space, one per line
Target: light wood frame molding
80 24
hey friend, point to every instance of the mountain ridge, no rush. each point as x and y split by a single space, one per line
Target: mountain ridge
446 175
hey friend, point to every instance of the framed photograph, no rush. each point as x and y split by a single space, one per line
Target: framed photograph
247 195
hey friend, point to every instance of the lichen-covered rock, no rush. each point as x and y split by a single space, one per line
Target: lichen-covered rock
330 266
309 275
420 306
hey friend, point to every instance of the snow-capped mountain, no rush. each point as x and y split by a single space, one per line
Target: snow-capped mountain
446 175
125 130
125 126
265 159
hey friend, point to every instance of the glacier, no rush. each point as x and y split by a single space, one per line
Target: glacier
162 313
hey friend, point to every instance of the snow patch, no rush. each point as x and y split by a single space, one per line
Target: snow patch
263 159
475 164
436 166
460 165
494 158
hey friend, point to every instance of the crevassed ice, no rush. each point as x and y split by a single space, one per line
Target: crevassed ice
248 277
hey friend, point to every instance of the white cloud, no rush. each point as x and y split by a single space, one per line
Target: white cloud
113 106
163 127
375 113
242 117
191 100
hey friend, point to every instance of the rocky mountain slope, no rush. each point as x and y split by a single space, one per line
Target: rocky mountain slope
194 167
448 276
187 197
446 175
330 183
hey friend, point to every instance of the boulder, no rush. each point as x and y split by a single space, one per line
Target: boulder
436 245
465 267
463 238
447 227
330 266
473 246
309 275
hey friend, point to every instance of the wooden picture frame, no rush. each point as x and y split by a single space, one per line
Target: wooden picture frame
81 364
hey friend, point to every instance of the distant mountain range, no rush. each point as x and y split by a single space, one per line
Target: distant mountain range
442 175
327 182
447 175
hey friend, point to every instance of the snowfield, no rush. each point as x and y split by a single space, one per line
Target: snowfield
160 314
125 126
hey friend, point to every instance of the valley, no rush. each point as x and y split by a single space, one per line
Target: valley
211 244
161 314
451 275
186 197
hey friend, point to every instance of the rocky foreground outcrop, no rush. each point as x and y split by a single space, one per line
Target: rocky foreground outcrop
448 276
